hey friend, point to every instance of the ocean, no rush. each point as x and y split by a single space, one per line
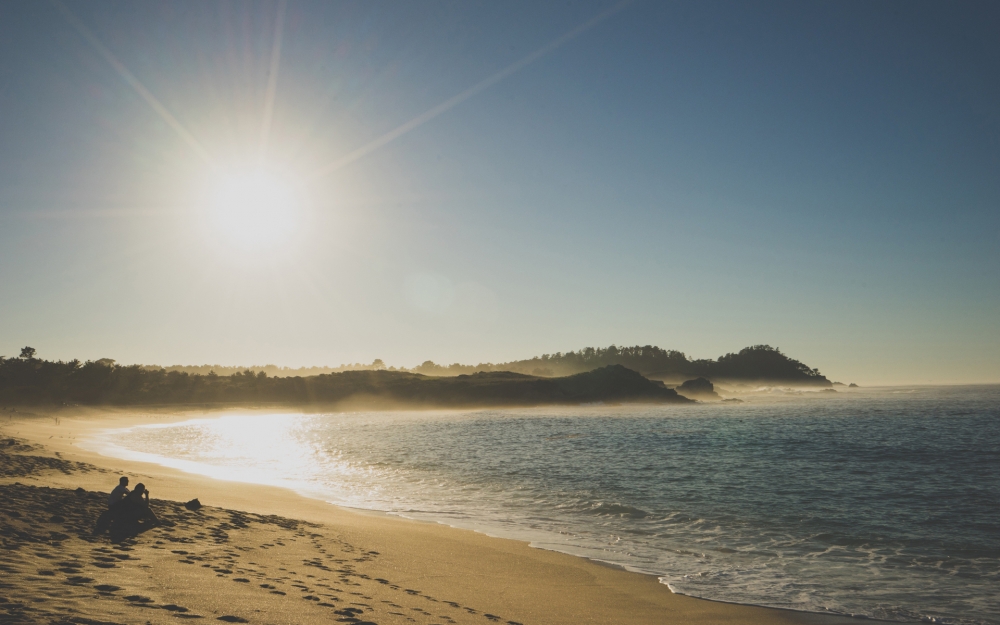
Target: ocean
882 503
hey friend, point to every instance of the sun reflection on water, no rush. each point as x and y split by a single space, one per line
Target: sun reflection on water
262 449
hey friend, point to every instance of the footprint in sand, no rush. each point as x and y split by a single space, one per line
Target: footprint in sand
138 599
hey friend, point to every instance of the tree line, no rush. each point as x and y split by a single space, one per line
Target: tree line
29 380
755 363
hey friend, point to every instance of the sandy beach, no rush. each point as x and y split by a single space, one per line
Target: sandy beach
259 554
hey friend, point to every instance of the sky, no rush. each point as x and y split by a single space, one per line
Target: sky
317 183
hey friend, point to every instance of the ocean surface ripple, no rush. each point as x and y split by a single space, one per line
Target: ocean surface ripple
882 503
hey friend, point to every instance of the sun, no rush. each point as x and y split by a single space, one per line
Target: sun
254 208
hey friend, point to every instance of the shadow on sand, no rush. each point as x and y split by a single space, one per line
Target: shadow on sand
120 528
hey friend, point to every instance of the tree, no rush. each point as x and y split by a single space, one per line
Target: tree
27 353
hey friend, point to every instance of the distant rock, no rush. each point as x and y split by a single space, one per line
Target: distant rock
699 388
852 385
194 504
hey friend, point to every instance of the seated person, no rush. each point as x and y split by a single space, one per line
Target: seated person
136 505
119 493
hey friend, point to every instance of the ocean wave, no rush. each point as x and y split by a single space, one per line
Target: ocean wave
857 506
617 509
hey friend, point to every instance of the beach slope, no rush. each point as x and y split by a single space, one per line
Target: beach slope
258 554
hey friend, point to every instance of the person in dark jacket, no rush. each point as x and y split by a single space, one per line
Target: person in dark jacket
119 493
136 505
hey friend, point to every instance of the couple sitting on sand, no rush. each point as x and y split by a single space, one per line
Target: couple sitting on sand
133 505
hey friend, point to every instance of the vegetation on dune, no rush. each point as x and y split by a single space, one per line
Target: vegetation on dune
274 371
589 375
758 363
27 380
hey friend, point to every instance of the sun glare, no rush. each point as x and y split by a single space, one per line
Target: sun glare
254 209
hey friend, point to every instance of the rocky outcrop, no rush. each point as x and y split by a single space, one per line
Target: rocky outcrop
699 388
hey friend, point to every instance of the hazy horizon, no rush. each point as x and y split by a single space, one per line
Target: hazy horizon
312 184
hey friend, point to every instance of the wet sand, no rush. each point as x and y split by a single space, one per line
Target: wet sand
259 554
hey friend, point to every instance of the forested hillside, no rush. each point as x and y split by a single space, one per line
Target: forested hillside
30 380
759 363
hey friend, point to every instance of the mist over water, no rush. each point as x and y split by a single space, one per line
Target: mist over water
883 502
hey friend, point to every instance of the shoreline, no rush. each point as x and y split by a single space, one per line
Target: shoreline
504 576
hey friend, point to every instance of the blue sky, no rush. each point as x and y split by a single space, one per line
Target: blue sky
822 177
